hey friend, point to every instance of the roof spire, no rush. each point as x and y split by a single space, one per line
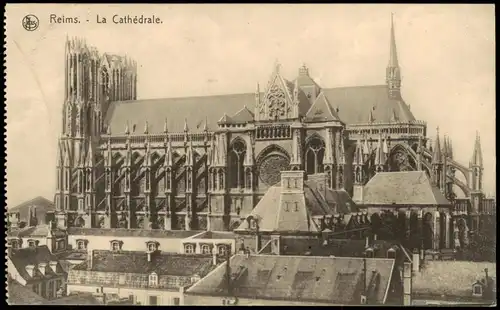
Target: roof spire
186 128
477 156
393 59
165 126
436 156
205 128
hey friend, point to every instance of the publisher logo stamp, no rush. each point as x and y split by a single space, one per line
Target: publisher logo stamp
30 22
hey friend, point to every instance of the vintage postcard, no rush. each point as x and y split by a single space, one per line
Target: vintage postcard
250 154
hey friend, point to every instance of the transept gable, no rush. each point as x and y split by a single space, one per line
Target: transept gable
277 102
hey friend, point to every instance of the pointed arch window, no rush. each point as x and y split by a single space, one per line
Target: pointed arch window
89 179
315 152
168 175
236 161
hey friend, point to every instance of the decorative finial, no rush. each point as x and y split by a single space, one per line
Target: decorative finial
186 128
127 130
277 66
165 127
146 128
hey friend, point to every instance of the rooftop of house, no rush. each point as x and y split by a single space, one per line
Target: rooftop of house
42 204
402 188
34 256
216 235
451 278
80 298
125 232
331 280
41 230
22 295
137 262
291 205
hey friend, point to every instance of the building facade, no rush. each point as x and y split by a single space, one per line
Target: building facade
203 163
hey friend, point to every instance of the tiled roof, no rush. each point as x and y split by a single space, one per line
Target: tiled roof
218 235
318 199
450 278
137 262
402 188
354 104
125 232
322 279
81 298
36 231
33 256
43 205
22 295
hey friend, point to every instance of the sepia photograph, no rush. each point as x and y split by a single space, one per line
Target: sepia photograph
250 154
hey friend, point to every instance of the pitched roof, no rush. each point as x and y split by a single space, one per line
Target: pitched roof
321 111
402 188
217 235
21 258
316 200
43 205
137 262
36 231
81 298
242 116
125 232
306 278
353 103
441 277
22 295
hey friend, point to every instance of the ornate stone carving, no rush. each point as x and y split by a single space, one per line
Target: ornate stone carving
276 101
400 162
271 167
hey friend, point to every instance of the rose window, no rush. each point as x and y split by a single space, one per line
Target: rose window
270 169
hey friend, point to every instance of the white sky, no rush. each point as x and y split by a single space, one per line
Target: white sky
446 54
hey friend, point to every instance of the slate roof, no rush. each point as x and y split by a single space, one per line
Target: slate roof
402 188
318 200
306 278
33 256
217 235
22 295
36 231
125 232
43 205
81 298
137 262
321 111
442 277
354 104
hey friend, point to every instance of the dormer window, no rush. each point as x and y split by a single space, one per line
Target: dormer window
152 246
153 279
32 243
205 249
81 244
189 248
391 253
369 253
116 245
222 249
15 244
477 289
253 223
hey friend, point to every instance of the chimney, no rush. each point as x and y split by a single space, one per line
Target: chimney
43 268
407 283
30 217
257 242
149 256
367 243
416 261
375 237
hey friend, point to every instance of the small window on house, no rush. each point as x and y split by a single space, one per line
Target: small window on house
391 253
153 279
477 290
177 301
61 245
115 245
32 243
205 249
14 244
221 250
296 206
287 208
152 246
189 249
253 222
80 245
